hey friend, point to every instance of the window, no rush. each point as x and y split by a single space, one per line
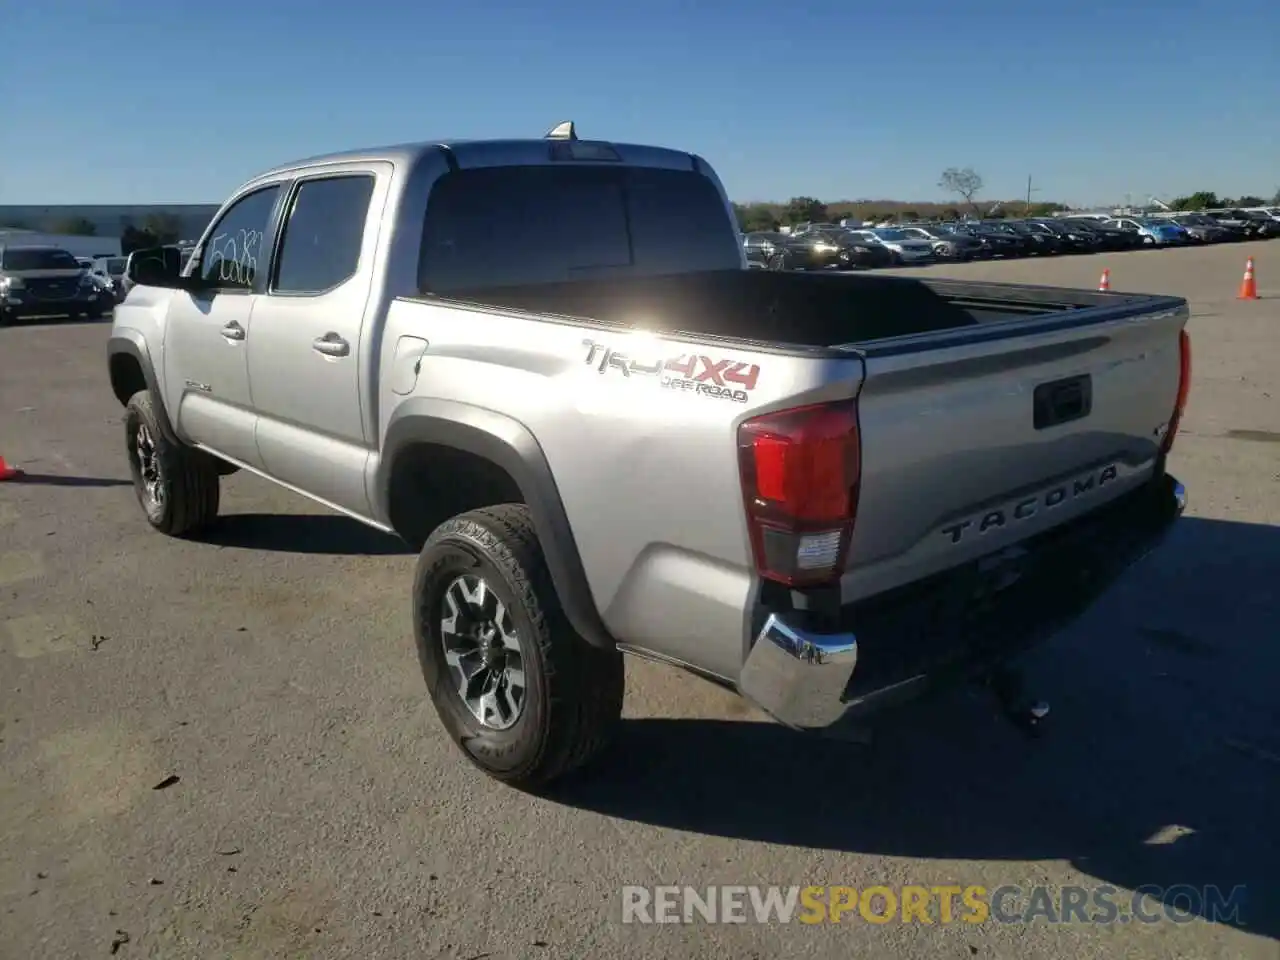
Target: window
323 234
233 252
502 226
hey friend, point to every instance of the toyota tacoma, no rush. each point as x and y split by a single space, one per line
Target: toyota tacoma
544 364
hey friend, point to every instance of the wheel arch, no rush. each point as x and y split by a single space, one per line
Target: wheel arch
495 452
130 368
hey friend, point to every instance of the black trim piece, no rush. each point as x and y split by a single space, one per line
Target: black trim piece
587 323
949 625
1082 317
508 444
132 344
450 158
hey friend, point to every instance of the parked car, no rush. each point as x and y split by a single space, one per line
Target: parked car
109 271
857 251
1109 238
1074 237
1152 232
1000 243
1025 246
1202 229
1044 240
1241 222
1265 226
760 245
904 248
817 249
544 364
41 281
946 244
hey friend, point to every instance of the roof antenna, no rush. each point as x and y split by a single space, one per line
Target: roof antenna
562 131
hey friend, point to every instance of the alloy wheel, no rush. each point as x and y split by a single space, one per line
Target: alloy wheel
483 652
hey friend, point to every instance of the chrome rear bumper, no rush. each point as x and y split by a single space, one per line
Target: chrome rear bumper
805 678
798 677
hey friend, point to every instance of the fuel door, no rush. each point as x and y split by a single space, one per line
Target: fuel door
406 363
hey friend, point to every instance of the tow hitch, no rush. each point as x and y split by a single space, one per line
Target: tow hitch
1007 683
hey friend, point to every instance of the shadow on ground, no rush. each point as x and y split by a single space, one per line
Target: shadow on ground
319 533
1161 764
58 480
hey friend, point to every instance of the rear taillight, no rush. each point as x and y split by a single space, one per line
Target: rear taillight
1184 387
800 472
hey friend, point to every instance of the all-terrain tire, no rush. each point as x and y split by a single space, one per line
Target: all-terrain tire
573 696
185 479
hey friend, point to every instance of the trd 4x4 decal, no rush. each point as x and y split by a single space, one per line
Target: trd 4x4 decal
724 379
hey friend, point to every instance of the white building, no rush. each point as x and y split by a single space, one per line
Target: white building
77 246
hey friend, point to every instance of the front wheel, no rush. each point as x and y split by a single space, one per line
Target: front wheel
176 486
518 690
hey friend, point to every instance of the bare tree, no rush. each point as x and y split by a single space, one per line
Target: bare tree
965 182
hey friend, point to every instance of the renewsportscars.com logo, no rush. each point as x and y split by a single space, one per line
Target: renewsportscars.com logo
942 904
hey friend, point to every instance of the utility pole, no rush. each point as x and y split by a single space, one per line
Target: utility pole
1029 192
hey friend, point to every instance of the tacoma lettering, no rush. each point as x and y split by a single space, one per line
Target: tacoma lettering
1025 509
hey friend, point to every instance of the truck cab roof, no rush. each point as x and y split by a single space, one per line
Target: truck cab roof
494 153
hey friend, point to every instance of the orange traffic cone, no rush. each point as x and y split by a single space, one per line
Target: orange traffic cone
1105 283
7 472
1248 286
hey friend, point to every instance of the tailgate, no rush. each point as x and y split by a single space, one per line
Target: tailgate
976 439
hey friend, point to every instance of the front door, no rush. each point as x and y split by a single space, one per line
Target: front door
206 340
307 359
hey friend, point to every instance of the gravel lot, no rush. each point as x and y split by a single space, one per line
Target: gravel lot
317 809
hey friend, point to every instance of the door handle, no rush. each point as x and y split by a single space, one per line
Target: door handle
233 331
331 345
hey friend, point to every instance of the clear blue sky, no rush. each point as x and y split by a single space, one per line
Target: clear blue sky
140 101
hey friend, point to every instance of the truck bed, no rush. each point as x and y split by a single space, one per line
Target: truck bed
988 413
802 309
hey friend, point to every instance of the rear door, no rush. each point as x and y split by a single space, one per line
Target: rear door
307 360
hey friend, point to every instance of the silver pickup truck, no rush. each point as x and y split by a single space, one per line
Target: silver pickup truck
545 363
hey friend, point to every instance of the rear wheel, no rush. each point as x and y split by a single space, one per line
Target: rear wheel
176 486
518 690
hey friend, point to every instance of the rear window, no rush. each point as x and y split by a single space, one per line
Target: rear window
504 226
17 258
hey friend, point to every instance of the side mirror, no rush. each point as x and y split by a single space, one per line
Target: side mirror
156 267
